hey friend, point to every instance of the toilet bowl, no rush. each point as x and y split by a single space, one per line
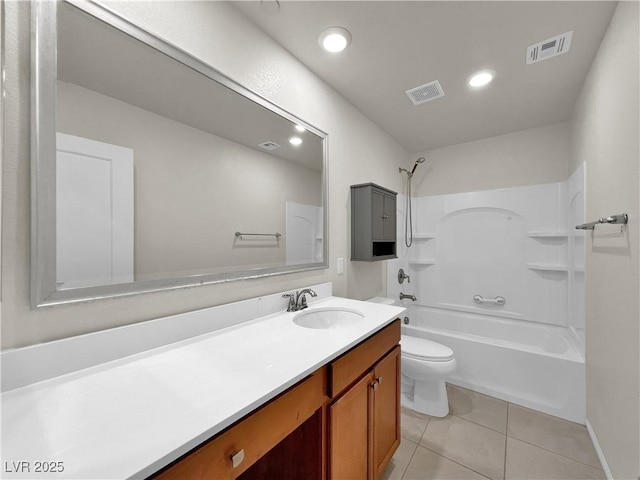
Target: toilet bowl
424 366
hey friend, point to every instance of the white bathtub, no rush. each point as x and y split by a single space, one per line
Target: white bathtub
530 364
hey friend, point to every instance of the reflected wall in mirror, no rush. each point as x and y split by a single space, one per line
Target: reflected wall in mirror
154 171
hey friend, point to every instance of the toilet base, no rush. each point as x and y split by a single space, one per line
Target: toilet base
427 397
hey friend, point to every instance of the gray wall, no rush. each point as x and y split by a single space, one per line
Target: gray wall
529 157
606 136
193 190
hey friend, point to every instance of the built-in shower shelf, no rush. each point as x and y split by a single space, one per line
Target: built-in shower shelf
537 234
424 236
548 267
422 261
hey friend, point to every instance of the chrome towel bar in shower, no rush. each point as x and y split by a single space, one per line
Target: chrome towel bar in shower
277 235
623 218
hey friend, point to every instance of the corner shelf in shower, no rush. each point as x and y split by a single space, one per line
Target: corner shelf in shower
548 267
422 261
424 236
541 234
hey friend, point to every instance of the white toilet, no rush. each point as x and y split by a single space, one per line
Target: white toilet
425 365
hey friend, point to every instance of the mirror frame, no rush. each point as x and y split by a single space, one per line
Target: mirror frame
43 159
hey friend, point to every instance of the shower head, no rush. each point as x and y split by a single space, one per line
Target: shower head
415 165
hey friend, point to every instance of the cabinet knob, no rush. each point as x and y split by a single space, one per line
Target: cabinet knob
384 217
237 458
376 382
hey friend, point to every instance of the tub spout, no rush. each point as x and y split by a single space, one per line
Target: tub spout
410 297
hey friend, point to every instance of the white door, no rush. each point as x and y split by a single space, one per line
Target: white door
94 213
304 234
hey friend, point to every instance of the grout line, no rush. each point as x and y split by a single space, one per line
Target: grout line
545 448
556 453
487 396
457 462
410 459
506 433
417 444
479 424
454 461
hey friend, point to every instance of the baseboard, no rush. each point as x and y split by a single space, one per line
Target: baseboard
603 460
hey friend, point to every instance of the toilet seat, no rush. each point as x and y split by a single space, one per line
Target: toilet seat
425 350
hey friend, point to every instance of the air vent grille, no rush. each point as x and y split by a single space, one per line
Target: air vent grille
268 145
548 48
425 93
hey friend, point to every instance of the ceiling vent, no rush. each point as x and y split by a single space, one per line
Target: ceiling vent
425 93
268 145
549 48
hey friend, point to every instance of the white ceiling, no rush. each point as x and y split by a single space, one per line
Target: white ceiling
399 45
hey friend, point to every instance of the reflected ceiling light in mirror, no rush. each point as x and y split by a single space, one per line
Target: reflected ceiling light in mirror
481 78
295 141
300 128
334 39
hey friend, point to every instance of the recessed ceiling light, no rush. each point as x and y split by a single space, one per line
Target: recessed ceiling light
335 39
295 140
481 78
300 128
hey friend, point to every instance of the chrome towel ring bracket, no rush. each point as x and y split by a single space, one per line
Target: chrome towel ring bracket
622 219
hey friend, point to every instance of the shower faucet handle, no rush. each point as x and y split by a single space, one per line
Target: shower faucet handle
402 276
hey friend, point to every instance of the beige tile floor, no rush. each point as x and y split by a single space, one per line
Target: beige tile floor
483 437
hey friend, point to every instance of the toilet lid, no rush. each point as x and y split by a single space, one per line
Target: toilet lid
423 349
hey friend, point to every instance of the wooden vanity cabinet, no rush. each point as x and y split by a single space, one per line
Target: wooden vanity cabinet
342 422
364 414
297 413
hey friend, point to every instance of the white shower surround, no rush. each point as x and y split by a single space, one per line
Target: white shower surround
518 243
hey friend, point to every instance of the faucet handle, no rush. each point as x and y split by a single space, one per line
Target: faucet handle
291 307
403 276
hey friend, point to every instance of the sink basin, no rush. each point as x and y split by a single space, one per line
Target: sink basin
329 317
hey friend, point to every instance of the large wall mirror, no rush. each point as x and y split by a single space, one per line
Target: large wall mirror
151 170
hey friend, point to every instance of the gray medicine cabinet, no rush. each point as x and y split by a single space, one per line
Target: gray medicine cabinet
373 223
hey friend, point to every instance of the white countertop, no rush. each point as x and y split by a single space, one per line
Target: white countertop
129 418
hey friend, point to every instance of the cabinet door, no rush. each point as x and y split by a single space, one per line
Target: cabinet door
386 410
389 218
349 433
383 216
377 215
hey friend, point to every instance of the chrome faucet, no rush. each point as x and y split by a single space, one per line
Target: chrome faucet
298 301
301 301
410 297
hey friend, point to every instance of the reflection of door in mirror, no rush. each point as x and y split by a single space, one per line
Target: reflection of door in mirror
94 213
304 234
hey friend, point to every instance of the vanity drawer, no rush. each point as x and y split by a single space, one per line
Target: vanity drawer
254 436
349 367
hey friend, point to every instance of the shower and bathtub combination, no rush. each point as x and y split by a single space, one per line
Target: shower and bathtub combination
498 277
